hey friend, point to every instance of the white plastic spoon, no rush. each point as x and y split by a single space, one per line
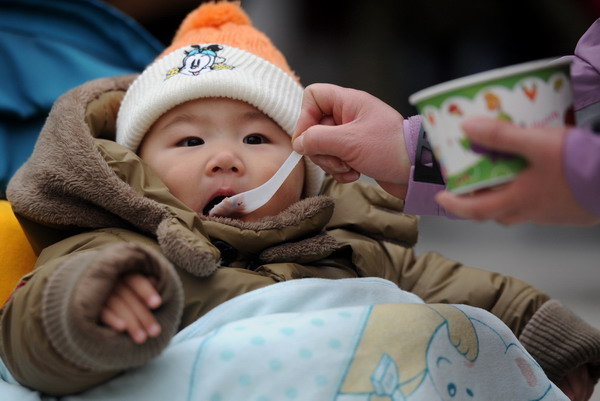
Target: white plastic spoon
249 201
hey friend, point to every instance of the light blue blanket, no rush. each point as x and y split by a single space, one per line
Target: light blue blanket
343 340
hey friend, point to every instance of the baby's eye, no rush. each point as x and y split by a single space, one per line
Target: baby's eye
255 139
191 141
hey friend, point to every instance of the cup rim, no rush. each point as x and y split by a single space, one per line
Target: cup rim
484 76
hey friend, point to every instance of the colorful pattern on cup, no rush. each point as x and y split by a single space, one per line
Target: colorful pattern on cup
529 94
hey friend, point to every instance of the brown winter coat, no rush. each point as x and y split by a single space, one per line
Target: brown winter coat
94 211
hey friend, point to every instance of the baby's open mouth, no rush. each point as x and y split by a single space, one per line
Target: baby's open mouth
215 201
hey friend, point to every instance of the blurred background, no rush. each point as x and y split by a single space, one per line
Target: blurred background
393 48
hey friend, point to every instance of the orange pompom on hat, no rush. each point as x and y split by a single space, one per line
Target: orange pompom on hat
227 24
216 53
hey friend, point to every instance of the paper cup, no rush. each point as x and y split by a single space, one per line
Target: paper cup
531 94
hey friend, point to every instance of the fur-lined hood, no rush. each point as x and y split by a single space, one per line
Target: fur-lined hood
79 179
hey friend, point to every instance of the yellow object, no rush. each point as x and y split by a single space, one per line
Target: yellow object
16 255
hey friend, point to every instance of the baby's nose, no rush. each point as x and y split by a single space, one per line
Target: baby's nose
225 162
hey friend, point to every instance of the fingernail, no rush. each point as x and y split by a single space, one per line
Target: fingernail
298 144
340 167
154 301
351 176
154 330
140 336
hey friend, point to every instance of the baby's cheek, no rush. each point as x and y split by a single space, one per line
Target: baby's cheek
295 184
288 194
182 187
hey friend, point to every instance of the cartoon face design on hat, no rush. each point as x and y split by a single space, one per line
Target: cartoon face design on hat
199 60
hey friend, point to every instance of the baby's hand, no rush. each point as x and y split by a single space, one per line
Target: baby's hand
129 308
578 385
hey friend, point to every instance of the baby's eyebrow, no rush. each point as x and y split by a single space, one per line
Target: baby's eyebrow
199 119
182 118
256 115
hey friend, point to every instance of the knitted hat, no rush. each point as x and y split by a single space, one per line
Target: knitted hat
216 53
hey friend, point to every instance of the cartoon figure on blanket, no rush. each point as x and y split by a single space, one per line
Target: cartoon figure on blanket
445 357
455 378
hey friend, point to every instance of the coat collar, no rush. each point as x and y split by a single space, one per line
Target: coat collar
79 177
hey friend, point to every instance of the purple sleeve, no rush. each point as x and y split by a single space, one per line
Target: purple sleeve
420 198
582 167
582 146
585 70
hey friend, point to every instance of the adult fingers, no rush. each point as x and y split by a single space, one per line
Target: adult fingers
319 100
323 140
345 178
327 120
337 168
331 164
489 204
499 135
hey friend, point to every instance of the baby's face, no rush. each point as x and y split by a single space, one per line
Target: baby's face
206 149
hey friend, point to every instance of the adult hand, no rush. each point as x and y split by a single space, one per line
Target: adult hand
539 194
348 132
129 308
578 385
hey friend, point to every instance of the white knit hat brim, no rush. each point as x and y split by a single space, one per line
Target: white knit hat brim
242 76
